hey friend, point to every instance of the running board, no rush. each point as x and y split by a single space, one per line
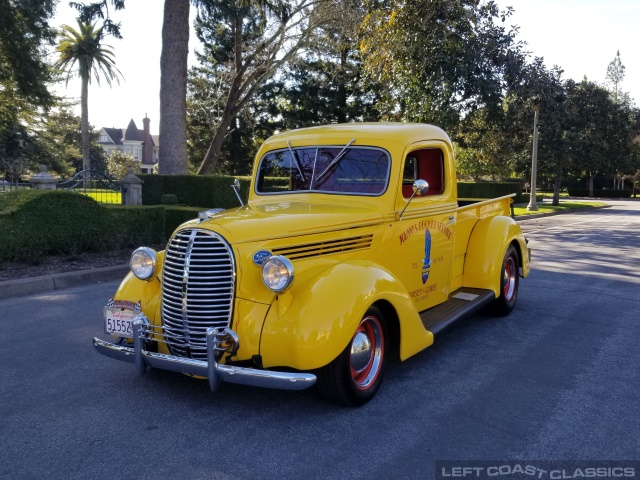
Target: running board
461 303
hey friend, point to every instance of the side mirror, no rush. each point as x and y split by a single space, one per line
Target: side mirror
236 189
420 187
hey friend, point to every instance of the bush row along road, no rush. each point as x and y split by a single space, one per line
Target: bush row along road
557 379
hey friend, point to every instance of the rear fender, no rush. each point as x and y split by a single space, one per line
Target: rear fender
310 325
488 244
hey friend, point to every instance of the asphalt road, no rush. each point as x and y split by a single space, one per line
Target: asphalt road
557 379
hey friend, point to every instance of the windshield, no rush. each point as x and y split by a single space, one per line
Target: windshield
340 169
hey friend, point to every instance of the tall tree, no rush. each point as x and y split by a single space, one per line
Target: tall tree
23 33
82 51
440 58
259 37
24 78
325 84
615 76
172 157
602 132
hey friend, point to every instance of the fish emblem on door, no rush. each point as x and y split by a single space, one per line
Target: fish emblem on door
426 261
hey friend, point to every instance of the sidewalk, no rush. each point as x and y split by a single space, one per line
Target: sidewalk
58 281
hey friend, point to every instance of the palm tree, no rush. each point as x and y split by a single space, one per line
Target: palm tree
84 47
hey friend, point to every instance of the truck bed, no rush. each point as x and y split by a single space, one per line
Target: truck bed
470 211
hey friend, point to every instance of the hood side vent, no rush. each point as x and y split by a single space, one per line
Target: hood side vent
308 250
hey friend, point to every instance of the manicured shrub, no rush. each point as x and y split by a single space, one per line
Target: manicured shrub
169 199
194 190
526 197
176 216
38 222
490 190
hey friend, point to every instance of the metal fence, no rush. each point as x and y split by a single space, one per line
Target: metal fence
8 186
93 183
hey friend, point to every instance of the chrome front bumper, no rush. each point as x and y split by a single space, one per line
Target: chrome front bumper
211 369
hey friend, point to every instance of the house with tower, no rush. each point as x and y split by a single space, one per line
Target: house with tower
140 144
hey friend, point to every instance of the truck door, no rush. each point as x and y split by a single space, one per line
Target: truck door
425 233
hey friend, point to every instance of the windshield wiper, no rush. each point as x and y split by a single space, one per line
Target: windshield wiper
335 160
295 159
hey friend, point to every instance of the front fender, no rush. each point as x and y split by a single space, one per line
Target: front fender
488 243
308 327
147 292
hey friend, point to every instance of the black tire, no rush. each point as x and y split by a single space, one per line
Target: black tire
354 377
509 283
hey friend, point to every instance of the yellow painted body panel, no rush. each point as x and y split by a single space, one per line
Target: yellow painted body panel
147 292
323 313
488 243
308 326
248 320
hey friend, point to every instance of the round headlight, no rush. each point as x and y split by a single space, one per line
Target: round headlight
277 273
143 263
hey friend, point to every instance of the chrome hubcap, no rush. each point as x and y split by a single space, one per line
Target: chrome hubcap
360 352
367 351
509 280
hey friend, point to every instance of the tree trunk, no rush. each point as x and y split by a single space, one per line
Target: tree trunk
84 128
590 184
341 112
172 154
210 161
557 182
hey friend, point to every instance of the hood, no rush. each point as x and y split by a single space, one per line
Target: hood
267 221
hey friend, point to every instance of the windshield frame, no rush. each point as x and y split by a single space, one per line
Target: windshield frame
318 147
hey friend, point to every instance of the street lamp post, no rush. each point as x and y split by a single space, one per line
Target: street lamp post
534 164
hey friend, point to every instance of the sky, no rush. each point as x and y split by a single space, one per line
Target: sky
580 36
137 56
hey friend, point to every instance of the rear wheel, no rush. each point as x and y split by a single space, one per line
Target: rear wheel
354 377
509 282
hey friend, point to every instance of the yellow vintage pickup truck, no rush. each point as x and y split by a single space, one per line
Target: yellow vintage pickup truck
353 247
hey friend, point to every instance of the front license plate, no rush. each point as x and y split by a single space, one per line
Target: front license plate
119 321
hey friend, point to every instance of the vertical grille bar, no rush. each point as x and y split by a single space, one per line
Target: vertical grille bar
198 289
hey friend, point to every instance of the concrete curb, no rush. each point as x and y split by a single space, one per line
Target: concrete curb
550 214
59 281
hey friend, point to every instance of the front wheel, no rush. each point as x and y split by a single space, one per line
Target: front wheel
354 377
509 282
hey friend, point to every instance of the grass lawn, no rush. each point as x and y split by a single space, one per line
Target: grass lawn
101 195
546 207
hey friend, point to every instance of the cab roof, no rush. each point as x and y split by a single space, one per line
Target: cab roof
405 133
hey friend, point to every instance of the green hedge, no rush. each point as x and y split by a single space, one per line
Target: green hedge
34 223
194 190
526 198
584 192
490 190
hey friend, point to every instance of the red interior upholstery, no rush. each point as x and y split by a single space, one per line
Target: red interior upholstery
430 168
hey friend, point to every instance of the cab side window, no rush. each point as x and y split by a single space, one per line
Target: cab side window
426 164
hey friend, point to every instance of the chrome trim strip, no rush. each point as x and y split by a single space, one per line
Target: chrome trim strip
185 284
211 369
111 350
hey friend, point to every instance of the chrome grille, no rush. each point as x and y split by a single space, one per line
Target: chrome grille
198 281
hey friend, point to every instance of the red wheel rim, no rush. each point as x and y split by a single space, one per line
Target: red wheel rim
509 279
367 352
